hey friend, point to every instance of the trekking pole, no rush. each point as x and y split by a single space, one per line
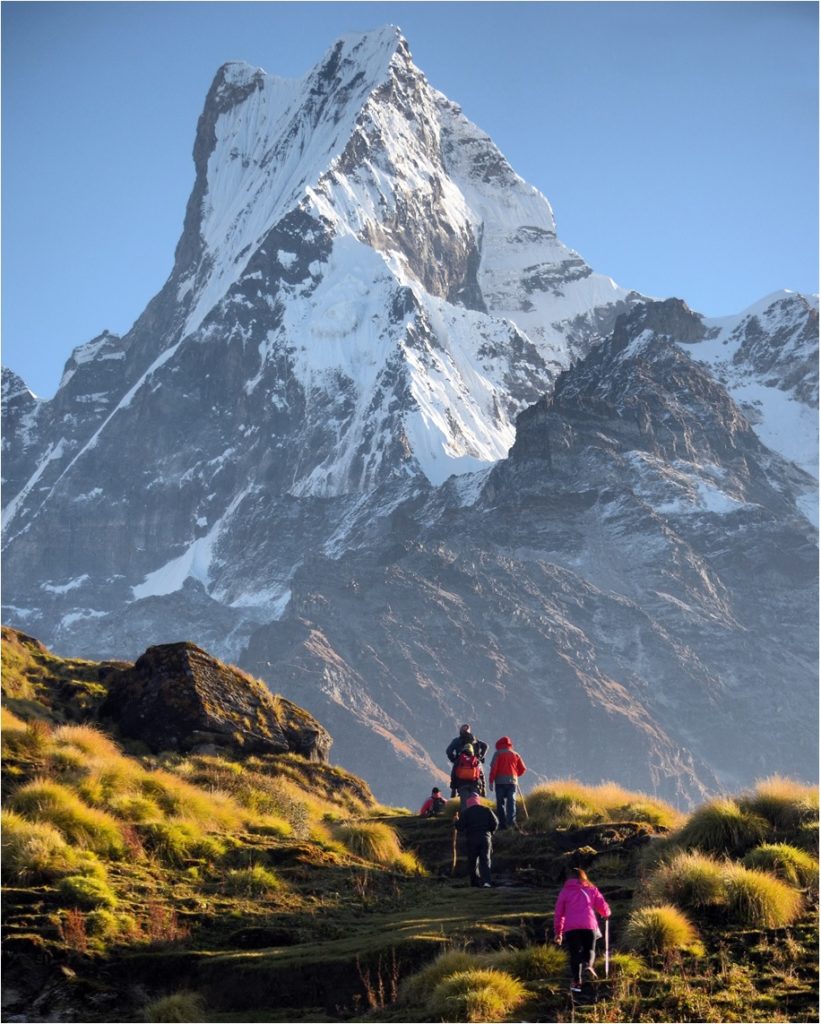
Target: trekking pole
607 947
453 857
524 804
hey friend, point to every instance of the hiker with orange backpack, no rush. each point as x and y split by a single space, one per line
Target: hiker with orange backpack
465 736
575 924
506 768
467 777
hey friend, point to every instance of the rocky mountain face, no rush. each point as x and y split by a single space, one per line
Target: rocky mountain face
298 458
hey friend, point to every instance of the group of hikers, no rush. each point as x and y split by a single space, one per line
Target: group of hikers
575 923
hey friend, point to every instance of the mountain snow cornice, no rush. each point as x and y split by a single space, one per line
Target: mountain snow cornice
364 298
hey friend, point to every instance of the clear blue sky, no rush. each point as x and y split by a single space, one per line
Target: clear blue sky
677 142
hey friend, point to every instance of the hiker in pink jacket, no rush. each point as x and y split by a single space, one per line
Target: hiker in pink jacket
575 924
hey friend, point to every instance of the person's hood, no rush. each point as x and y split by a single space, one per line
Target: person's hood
504 742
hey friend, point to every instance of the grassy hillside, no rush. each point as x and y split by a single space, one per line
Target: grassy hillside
221 887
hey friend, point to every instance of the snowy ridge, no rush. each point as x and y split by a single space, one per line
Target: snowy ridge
271 148
767 358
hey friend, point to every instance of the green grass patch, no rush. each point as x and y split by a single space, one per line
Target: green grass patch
690 880
55 804
661 930
476 995
794 866
175 1009
759 900
722 826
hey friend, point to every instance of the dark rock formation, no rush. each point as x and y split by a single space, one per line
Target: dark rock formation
177 697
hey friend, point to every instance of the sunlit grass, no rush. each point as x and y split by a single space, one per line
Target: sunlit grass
661 930
790 864
476 995
569 803
50 802
722 826
759 900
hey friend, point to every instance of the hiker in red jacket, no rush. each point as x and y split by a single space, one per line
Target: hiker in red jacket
575 924
505 770
434 805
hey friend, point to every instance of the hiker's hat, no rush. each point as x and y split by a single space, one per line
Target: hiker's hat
435 789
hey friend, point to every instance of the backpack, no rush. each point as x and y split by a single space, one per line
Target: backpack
466 768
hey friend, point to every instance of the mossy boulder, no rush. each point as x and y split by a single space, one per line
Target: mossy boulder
179 698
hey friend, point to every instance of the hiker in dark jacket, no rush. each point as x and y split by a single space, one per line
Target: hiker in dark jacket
505 770
466 776
477 824
465 736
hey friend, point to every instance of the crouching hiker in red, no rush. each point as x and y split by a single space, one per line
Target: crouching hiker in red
505 771
575 924
434 805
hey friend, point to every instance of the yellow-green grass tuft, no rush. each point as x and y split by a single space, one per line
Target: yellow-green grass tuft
178 798
57 805
563 803
691 881
86 892
476 995
785 804
758 900
180 1008
37 851
252 881
371 840
414 990
531 963
569 803
660 930
93 743
177 840
626 965
722 826
806 837
794 866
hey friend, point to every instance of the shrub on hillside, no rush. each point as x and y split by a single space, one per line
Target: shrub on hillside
33 849
563 803
177 841
691 881
785 804
251 881
721 826
414 990
179 1008
660 930
55 804
90 741
86 892
793 866
626 965
374 841
759 900
532 962
476 995
806 838
568 803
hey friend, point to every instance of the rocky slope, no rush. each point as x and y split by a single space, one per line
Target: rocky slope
297 458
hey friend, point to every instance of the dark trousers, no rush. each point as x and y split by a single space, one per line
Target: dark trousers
479 849
580 944
506 804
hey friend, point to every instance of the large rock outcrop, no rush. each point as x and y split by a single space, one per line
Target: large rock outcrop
177 697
